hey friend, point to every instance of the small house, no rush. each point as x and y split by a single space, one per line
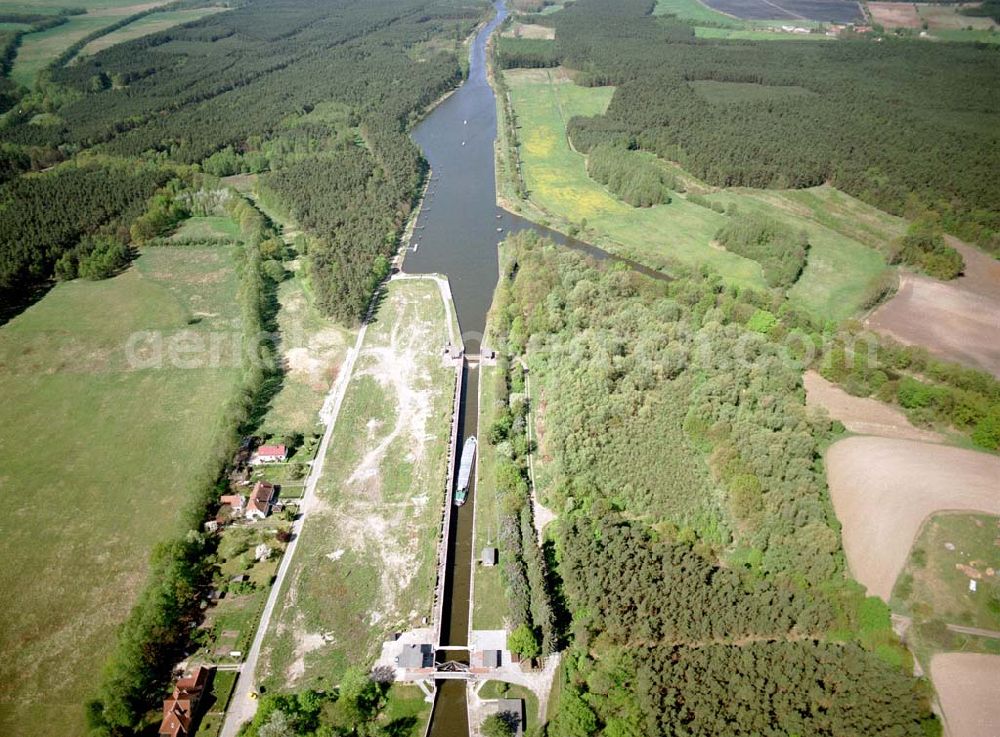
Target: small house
490 557
269 454
491 658
234 501
260 501
212 525
514 708
241 578
262 552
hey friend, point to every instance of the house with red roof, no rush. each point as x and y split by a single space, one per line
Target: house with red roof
269 454
179 709
260 500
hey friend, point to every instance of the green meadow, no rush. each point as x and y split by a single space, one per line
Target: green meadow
147 25
845 234
99 456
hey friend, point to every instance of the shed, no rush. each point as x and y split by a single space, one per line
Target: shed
490 557
413 656
491 658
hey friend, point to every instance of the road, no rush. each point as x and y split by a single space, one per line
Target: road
241 707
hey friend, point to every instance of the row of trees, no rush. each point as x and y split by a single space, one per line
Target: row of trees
157 632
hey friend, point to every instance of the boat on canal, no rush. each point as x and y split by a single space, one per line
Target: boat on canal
465 470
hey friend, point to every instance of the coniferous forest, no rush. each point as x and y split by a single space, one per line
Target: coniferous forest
236 82
906 127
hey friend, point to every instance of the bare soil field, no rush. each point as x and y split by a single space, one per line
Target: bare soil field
967 686
895 15
860 414
955 320
884 488
530 30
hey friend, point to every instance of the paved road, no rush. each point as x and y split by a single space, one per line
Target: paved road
241 707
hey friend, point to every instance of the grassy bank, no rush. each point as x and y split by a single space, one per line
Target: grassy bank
366 564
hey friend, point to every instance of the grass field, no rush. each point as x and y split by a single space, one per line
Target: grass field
365 566
839 267
694 11
38 49
489 602
147 25
758 34
98 458
844 232
950 551
557 181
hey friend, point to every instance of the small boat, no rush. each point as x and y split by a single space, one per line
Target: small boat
465 122
465 470
463 143
499 230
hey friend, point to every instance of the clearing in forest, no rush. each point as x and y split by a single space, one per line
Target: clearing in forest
967 685
365 566
956 320
530 30
884 488
844 233
953 550
99 456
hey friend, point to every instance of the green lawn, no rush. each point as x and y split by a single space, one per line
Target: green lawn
839 266
147 25
558 183
692 10
365 566
99 456
209 227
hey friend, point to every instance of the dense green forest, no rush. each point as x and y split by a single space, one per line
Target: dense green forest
905 126
237 82
44 216
697 551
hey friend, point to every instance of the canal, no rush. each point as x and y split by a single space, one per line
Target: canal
456 233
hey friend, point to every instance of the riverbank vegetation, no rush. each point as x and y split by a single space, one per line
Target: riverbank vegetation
690 570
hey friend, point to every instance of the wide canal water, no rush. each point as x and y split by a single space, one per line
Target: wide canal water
456 233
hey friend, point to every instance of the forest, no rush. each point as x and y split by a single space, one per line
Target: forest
234 80
696 548
864 108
